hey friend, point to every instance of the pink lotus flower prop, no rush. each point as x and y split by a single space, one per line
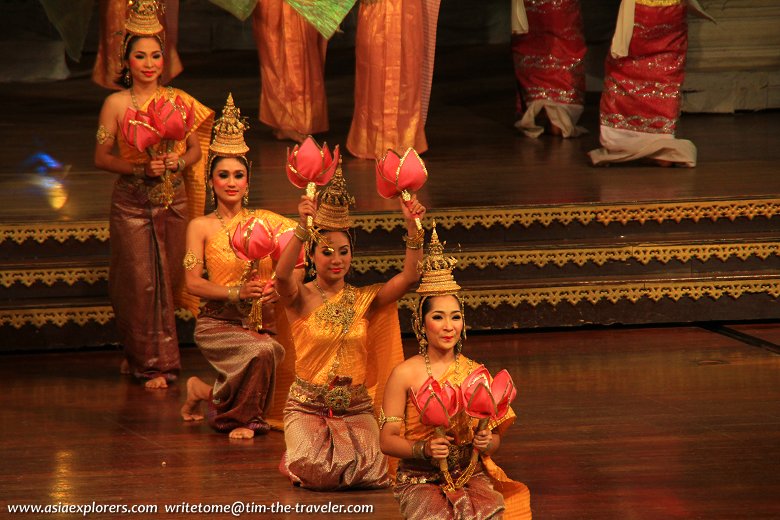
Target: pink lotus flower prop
139 131
252 241
172 119
309 166
437 404
484 400
400 176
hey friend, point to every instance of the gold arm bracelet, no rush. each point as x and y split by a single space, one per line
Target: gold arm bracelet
139 170
385 419
190 261
418 450
103 135
182 164
301 233
415 242
234 293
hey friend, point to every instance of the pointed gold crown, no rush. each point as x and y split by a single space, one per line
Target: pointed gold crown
436 270
333 206
228 140
142 17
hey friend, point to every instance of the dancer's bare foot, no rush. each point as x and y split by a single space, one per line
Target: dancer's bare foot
197 391
663 163
289 135
554 130
242 433
124 367
157 383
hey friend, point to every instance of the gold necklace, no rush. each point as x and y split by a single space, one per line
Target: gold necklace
428 364
340 312
135 101
225 228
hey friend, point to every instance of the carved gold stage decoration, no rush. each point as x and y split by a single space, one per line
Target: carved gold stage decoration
45 276
643 253
487 217
574 294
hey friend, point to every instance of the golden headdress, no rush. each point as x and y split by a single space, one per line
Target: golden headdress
436 270
228 135
436 280
142 17
333 204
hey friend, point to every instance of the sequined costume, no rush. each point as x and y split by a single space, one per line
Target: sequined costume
549 68
489 493
641 101
108 61
330 429
245 359
146 278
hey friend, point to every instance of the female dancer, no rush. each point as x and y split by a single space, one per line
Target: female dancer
244 358
346 340
482 489
148 216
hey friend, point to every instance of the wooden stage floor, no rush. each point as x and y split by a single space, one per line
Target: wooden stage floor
614 424
476 157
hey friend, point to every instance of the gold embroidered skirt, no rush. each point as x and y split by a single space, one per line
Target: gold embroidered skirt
332 437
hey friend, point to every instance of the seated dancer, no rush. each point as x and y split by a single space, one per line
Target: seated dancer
245 359
420 487
346 340
158 190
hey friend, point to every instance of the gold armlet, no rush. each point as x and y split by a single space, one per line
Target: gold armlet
190 261
103 135
385 419
416 241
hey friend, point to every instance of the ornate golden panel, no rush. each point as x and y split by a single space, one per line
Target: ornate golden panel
469 217
69 276
613 293
643 253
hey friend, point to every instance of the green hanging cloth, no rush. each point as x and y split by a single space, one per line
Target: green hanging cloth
71 19
324 15
241 9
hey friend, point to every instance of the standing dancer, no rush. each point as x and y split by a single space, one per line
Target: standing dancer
155 195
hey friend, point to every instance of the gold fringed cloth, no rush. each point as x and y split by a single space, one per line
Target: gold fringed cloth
389 57
642 96
330 426
292 69
489 492
324 15
245 359
111 30
549 68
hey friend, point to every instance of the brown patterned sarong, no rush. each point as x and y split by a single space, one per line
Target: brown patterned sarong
332 447
144 274
245 362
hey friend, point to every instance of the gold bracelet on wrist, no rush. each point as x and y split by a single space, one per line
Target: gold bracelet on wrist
418 450
182 164
301 233
234 294
416 241
139 170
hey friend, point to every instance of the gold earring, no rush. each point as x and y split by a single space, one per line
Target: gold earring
245 198
423 345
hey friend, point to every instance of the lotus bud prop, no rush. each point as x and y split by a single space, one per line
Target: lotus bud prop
309 166
484 400
252 241
437 404
400 176
282 239
139 131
